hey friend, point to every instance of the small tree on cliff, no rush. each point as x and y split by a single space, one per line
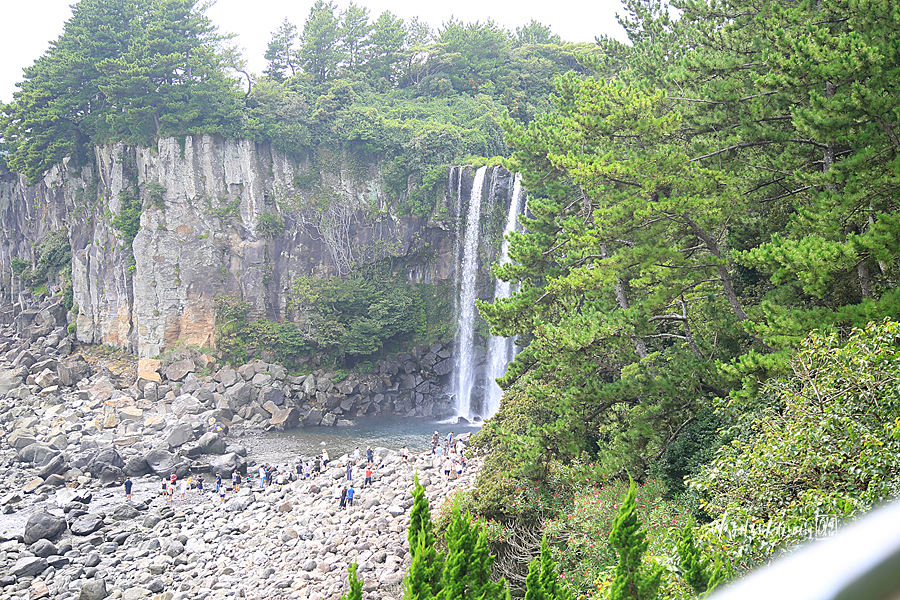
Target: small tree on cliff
697 570
633 581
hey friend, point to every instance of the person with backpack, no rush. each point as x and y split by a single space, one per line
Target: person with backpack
235 481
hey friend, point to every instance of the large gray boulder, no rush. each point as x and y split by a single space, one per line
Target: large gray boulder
186 404
19 439
240 394
29 566
105 457
161 462
93 589
43 526
180 435
72 370
37 454
226 464
211 443
271 394
179 370
86 524
136 466
56 465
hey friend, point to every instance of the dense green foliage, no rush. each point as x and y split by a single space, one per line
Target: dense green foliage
376 90
343 321
53 266
701 203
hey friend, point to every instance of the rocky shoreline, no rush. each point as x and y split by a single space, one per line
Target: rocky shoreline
74 423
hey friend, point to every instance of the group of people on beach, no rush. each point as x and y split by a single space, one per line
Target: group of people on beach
451 454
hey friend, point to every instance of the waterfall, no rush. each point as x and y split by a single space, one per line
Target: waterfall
502 350
464 377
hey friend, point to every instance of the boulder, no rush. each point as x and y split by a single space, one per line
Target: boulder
46 379
124 512
19 438
228 377
148 369
43 548
105 457
72 370
136 466
86 524
240 394
10 379
179 370
37 454
211 443
226 464
101 390
180 434
43 526
93 589
131 413
186 404
54 466
29 566
313 417
271 394
287 418
161 462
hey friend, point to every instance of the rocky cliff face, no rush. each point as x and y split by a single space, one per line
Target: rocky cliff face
221 217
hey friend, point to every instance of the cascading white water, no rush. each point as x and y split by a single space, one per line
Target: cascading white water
464 377
502 350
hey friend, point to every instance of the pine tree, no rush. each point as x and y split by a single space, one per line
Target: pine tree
534 588
356 584
423 579
694 567
319 53
467 570
549 577
280 53
632 581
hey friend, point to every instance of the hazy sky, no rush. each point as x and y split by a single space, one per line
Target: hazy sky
28 26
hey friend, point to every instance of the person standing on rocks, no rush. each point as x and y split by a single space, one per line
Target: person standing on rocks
325 459
235 481
349 472
170 491
368 480
435 440
218 482
128 485
262 477
343 503
448 466
221 492
370 455
449 445
350 493
317 469
356 455
404 454
162 492
184 489
199 483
